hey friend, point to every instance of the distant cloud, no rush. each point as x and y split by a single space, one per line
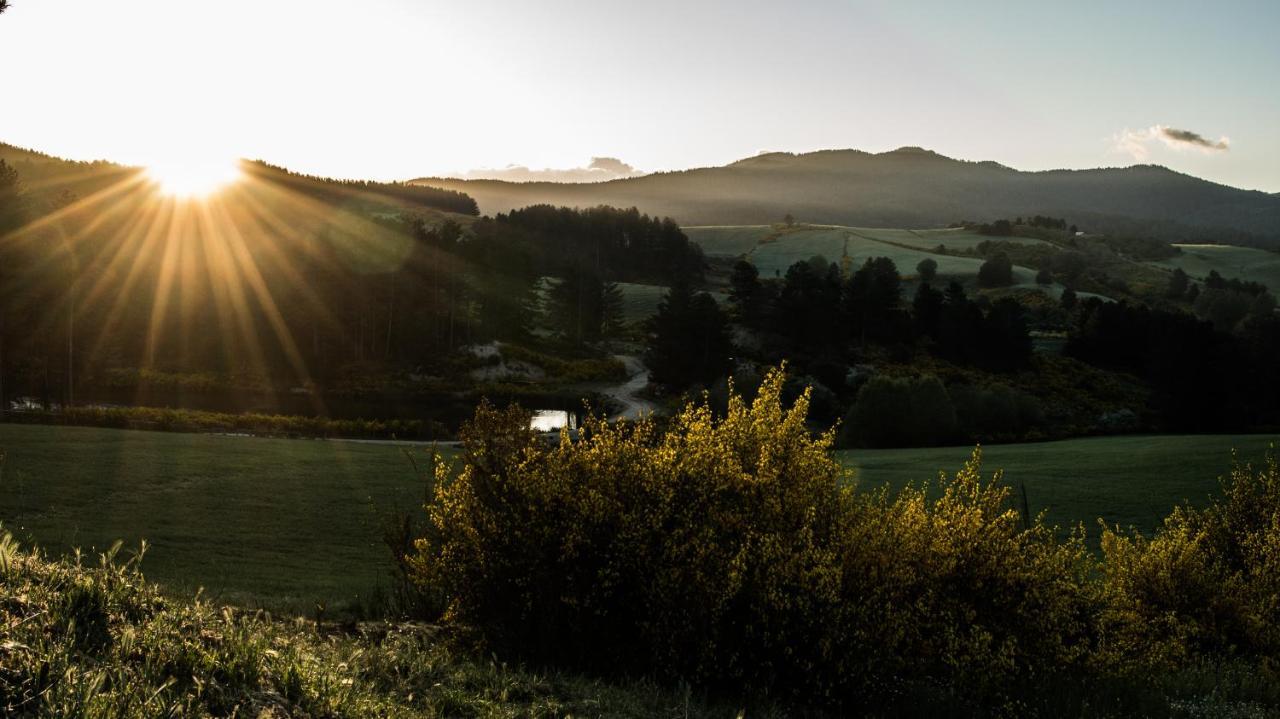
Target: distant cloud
1136 143
600 169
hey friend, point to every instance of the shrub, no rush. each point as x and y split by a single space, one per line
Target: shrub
731 552
900 412
995 411
996 272
1206 585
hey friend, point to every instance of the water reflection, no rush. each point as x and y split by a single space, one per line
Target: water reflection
551 420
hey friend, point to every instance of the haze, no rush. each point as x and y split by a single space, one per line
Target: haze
393 89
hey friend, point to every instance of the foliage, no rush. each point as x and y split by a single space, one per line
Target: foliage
617 244
568 370
996 272
1207 584
99 641
749 296
900 412
583 308
927 269
726 552
1201 377
689 340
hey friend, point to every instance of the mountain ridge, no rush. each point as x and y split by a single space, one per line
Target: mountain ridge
913 187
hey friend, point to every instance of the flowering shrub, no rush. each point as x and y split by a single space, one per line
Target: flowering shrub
1207 584
732 552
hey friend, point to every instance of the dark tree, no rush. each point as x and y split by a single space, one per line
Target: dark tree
1178 284
1006 343
689 340
960 328
583 308
1069 265
1068 299
926 311
747 294
1044 277
927 269
871 300
996 272
808 308
621 245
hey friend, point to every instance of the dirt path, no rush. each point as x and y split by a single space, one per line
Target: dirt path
626 394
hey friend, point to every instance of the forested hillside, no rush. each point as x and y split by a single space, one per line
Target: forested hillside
284 283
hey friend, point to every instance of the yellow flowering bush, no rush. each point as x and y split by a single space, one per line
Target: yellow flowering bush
1206 585
732 551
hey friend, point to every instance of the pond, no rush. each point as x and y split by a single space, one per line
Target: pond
552 420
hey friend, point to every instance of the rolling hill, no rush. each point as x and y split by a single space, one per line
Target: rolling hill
912 187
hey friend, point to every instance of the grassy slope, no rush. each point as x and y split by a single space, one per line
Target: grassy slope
1245 263
640 302
773 250
1129 481
289 522
101 642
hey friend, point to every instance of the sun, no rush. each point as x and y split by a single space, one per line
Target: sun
193 177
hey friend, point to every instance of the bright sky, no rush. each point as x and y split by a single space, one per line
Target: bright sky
393 89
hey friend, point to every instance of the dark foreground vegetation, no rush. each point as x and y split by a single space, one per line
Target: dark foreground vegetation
93 639
729 554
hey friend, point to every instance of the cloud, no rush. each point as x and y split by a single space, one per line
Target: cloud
1136 143
600 169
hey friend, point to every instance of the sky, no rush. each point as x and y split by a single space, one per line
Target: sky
396 89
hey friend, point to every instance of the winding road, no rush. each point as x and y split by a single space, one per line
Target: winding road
626 395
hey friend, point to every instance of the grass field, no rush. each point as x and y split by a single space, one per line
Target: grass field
1129 481
291 521
773 251
640 302
1245 263
285 523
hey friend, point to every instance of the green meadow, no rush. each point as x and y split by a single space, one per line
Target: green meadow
287 523
1245 263
772 249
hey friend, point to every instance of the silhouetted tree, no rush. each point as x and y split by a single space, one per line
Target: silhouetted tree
1005 341
689 340
1178 284
926 310
748 295
1044 277
1068 299
871 300
583 307
927 269
996 272
808 313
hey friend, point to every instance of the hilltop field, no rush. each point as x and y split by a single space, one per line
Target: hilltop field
1244 263
288 524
